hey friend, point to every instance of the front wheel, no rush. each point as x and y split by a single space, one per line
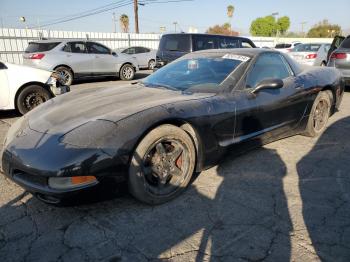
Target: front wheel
162 165
30 97
319 114
127 72
151 64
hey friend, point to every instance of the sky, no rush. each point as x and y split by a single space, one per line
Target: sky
200 14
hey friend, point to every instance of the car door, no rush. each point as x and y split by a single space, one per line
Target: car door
142 56
104 63
335 44
76 56
273 111
4 88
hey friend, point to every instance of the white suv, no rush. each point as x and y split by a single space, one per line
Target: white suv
75 59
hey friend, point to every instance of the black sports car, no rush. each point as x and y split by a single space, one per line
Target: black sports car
156 133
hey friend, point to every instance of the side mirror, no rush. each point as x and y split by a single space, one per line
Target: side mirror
114 54
272 83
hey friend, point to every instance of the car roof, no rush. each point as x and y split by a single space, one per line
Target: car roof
238 37
251 52
60 40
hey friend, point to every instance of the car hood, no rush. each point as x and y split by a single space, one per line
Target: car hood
66 112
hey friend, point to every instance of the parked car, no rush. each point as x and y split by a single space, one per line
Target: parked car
183 118
337 40
340 59
146 57
24 88
76 59
173 46
286 47
313 54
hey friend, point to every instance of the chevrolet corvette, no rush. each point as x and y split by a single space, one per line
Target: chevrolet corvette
155 133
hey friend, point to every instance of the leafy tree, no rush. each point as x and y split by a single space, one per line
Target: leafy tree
283 24
263 26
124 23
222 30
324 29
268 26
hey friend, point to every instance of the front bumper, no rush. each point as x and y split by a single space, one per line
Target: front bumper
30 158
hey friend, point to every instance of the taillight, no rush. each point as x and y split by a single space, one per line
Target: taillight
36 56
338 56
311 56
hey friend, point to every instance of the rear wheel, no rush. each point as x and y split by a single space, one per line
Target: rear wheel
127 72
66 75
319 114
30 97
151 64
162 165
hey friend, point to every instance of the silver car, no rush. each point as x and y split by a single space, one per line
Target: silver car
75 59
313 54
145 57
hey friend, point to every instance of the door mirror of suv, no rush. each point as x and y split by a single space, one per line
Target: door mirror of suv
273 83
114 53
2 66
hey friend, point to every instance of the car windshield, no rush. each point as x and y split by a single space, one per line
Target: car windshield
195 75
346 43
307 48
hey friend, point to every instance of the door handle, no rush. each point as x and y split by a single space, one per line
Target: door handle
300 86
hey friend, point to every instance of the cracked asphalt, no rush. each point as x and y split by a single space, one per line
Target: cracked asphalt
287 201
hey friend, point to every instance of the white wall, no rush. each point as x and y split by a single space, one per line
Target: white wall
13 42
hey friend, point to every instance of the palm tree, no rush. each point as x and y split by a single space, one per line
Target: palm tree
124 23
230 11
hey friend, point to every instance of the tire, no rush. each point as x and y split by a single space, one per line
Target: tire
127 72
319 114
30 97
162 165
66 74
151 64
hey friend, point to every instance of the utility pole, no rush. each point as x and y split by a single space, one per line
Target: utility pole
136 13
114 20
302 28
175 24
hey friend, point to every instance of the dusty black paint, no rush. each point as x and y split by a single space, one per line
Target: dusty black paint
95 131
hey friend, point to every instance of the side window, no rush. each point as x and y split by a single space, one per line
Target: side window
229 42
246 44
203 42
126 51
95 48
130 51
268 65
140 50
75 47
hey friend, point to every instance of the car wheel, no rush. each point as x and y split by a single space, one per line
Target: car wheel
162 165
127 72
66 75
320 113
151 64
30 97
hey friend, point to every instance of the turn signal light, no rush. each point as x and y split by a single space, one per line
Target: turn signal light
36 56
338 56
71 182
77 180
311 56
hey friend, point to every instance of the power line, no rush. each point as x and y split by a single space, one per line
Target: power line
86 13
102 9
